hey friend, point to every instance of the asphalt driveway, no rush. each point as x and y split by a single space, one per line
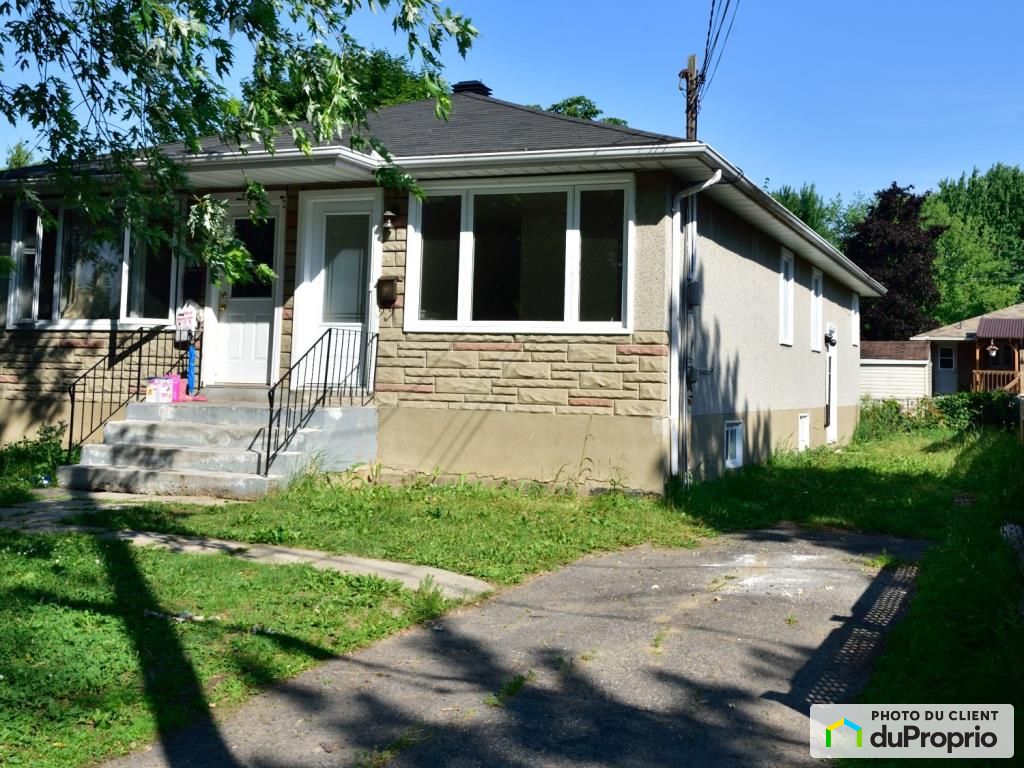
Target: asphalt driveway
646 657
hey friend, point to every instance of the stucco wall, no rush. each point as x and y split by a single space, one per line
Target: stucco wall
736 337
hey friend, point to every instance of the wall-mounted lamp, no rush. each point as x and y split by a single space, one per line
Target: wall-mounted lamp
992 349
389 219
387 291
830 339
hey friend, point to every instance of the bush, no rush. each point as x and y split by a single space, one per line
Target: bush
960 411
33 461
966 410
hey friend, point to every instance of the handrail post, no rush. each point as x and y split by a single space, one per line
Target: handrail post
270 431
71 425
327 366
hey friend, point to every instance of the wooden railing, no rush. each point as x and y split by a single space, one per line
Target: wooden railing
987 381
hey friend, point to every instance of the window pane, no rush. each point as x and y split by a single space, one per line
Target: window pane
601 254
439 283
27 267
519 256
90 274
259 239
149 280
47 265
346 255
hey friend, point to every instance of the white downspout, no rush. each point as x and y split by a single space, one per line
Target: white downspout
678 313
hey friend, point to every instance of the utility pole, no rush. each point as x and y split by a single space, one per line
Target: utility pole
692 87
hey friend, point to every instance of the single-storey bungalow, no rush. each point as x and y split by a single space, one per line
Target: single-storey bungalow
979 354
895 370
571 301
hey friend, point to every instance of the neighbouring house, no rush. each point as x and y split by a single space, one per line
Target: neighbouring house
895 370
571 301
978 354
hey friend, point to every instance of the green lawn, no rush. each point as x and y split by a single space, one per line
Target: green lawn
961 641
93 662
500 535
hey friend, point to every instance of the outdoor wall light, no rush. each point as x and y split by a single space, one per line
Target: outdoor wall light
992 349
389 220
387 291
830 339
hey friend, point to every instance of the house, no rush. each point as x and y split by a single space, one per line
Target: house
571 301
895 370
978 354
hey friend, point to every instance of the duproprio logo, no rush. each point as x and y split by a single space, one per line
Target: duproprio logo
839 724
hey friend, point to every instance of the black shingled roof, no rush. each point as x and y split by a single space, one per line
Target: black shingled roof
477 123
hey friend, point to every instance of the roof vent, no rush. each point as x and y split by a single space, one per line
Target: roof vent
471 86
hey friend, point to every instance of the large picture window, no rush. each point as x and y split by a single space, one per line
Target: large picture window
543 257
65 277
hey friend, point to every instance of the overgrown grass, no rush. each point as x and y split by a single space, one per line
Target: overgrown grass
31 463
497 534
962 640
103 645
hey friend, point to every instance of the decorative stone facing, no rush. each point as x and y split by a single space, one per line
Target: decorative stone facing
617 376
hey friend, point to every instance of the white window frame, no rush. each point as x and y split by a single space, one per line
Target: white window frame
855 319
55 322
737 461
817 307
952 357
573 186
786 264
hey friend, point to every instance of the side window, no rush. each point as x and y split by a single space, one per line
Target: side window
816 314
786 298
733 444
855 319
947 360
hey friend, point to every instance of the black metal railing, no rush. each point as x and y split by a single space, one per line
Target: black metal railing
338 369
121 376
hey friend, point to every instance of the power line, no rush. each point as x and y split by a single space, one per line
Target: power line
706 84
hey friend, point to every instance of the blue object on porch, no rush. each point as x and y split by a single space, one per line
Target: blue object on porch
191 366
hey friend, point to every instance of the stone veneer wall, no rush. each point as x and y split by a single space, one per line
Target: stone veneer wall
622 375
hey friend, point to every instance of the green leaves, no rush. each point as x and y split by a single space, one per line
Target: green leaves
111 88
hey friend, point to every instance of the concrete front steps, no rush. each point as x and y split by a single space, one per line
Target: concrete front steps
215 449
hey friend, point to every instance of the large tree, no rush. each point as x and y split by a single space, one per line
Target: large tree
992 205
583 108
105 82
972 274
832 219
897 248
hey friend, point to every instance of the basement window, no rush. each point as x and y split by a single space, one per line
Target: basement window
542 257
733 444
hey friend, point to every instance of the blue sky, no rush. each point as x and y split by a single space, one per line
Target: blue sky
850 95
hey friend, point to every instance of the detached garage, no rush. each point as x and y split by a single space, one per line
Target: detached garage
895 370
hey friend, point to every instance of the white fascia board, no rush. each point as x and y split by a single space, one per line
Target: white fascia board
925 337
814 246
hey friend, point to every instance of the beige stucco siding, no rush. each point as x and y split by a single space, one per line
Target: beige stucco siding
896 379
735 334
653 252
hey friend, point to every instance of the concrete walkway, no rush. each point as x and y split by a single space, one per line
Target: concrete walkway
46 516
703 657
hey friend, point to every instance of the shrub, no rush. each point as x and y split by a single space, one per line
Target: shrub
960 411
34 460
966 410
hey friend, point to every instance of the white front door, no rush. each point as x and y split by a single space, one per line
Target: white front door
832 390
245 321
338 264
